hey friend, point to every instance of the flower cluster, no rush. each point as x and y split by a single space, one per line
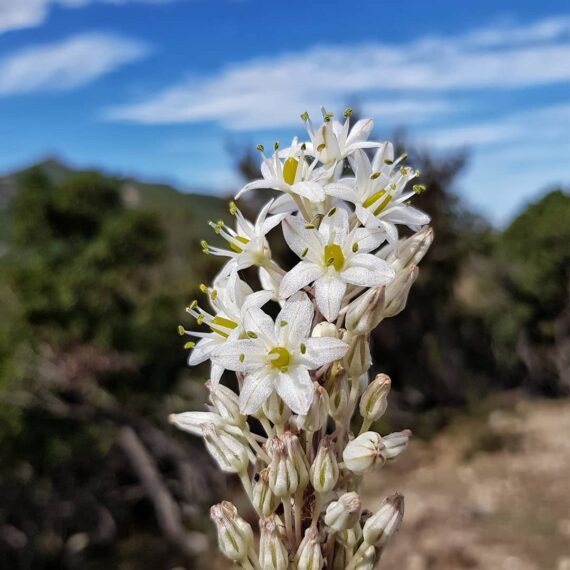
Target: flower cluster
304 373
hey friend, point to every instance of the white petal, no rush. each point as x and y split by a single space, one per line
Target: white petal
361 131
296 389
367 270
296 235
271 222
301 275
340 190
216 373
201 352
257 299
257 321
257 387
321 351
407 215
311 190
368 239
239 355
337 224
283 204
329 291
253 186
298 314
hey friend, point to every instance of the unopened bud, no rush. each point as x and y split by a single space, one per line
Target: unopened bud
374 400
275 409
325 329
357 359
228 448
235 536
309 555
338 387
411 250
263 499
344 513
350 537
272 552
324 470
226 403
382 525
365 312
298 457
396 443
398 290
364 452
192 422
318 413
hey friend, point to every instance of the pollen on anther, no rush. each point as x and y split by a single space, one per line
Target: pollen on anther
242 357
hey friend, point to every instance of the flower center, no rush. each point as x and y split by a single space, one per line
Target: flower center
334 256
235 247
279 357
290 170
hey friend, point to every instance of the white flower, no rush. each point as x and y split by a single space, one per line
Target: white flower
378 192
293 175
333 256
229 298
332 141
247 242
278 356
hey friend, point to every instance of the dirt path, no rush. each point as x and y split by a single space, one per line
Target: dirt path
492 495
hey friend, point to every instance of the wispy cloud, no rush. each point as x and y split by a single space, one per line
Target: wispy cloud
19 14
68 64
269 92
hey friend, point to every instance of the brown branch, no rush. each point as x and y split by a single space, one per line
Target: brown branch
166 509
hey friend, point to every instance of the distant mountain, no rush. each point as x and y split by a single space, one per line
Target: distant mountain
184 216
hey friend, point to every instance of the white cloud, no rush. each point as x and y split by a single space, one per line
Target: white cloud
270 92
19 14
67 64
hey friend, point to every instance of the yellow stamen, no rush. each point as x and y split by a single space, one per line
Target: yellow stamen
334 256
383 204
223 322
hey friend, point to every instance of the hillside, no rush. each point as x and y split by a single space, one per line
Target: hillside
184 216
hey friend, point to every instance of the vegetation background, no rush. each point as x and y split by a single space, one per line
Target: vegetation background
95 272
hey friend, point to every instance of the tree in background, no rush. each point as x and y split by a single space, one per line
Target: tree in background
88 347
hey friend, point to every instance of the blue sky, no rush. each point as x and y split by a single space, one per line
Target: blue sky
168 90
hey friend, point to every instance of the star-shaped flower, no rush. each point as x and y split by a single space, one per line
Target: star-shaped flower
333 256
278 356
247 242
230 298
333 141
379 192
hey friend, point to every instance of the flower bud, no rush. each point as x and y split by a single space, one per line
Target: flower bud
309 555
235 536
381 526
397 291
283 477
338 388
298 458
365 312
192 422
318 413
263 499
344 513
272 552
229 449
374 400
357 359
275 409
411 251
396 443
361 454
324 470
226 404
325 329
